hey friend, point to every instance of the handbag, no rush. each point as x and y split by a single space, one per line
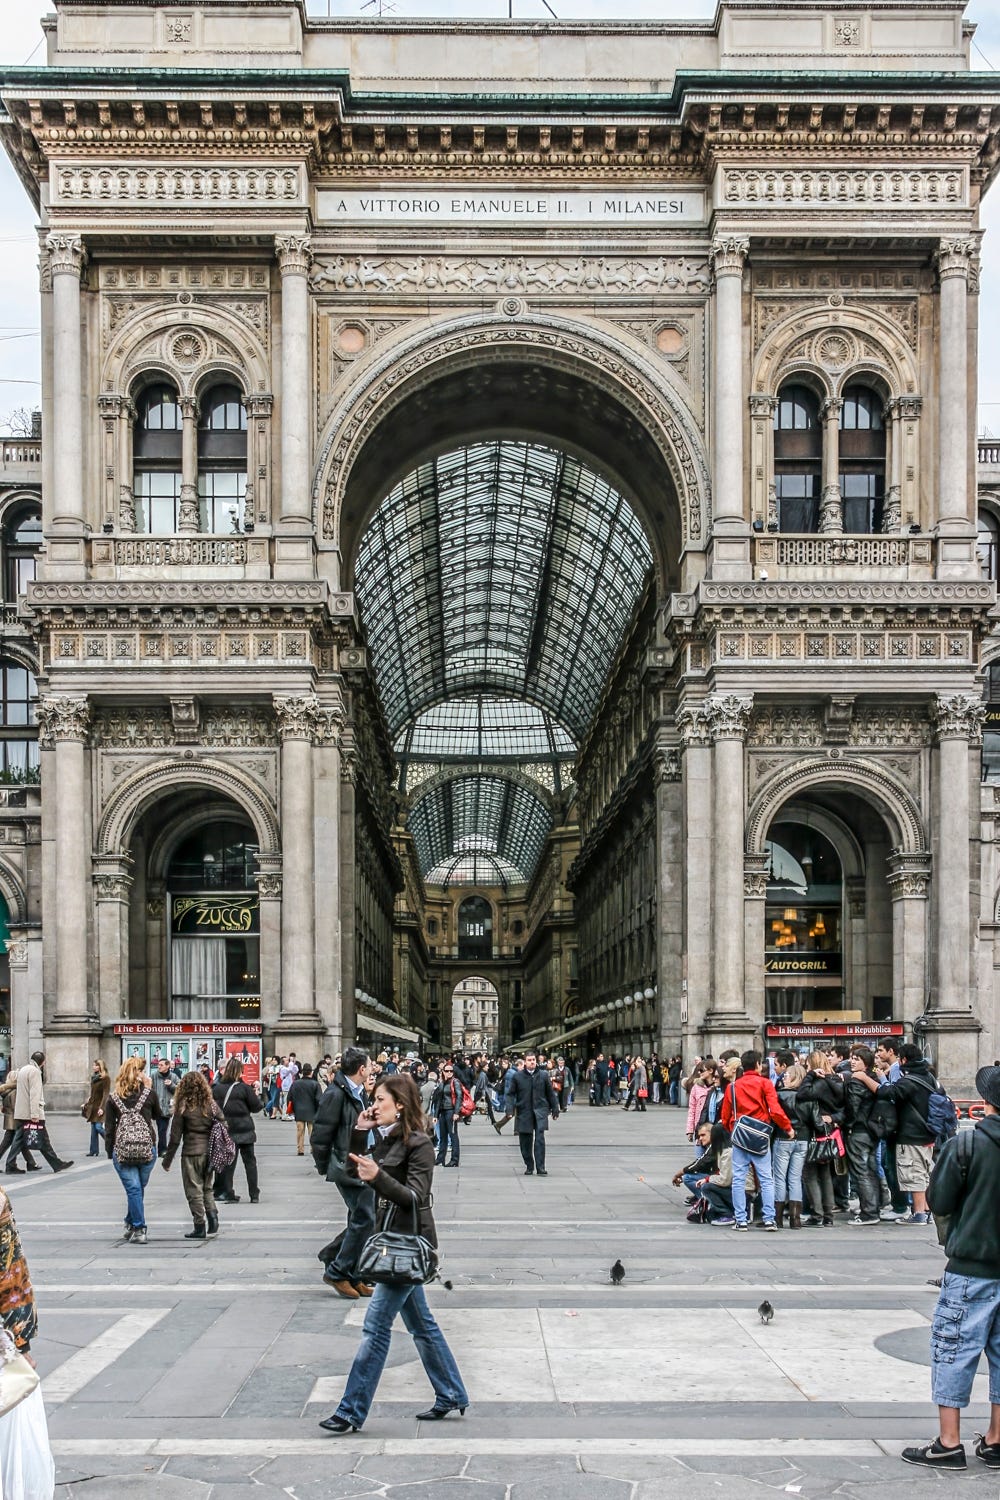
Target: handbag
18 1378
749 1133
642 1093
393 1258
33 1133
829 1147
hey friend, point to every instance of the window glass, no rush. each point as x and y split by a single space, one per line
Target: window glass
157 501
18 737
221 498
159 410
797 409
862 498
986 544
22 539
223 410
798 501
861 410
217 856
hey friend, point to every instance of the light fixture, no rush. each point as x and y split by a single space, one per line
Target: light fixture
820 927
776 925
649 993
791 915
637 997
619 1005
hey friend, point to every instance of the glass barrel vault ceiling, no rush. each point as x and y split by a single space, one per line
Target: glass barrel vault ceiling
479 818
495 583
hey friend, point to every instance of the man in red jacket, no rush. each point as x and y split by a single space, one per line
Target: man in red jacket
753 1095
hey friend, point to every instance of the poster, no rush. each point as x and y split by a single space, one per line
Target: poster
247 1049
204 1052
179 1054
136 1049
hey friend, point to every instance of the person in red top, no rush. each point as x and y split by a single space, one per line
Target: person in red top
752 1095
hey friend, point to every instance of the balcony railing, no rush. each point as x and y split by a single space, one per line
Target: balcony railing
815 556
156 554
20 452
988 452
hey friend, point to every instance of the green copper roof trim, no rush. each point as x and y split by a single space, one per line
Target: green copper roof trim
312 80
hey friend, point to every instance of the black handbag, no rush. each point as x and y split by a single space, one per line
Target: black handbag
393 1258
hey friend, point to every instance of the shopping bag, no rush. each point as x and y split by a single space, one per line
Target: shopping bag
18 1377
27 1468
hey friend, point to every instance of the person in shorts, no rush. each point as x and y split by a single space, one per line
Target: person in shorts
914 1138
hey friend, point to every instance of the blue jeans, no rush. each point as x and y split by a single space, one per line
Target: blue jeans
762 1166
675 1092
692 1179
966 1322
787 1161
376 1332
448 1124
134 1181
96 1136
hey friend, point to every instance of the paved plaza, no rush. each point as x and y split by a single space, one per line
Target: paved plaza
200 1372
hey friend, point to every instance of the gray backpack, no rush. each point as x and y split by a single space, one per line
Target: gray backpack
133 1138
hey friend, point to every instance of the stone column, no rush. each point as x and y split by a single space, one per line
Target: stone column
348 810
956 264
728 718
330 1000
756 873
112 891
269 898
669 1023
831 512
258 502
892 510
730 531
296 498
296 721
696 861
908 881
66 260
188 520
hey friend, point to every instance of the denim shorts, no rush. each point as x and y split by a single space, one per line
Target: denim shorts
966 1322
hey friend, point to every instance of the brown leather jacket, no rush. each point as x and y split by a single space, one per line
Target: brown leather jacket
406 1172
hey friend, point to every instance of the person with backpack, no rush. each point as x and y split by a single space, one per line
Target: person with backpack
749 1110
130 1135
964 1195
447 1108
925 1117
861 1140
194 1118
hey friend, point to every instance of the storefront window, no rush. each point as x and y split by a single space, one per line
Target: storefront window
991 726
803 916
215 925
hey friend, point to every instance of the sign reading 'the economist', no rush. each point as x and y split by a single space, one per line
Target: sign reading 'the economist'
491 205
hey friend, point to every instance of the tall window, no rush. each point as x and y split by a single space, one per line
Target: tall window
215 925
862 459
222 460
21 540
987 536
991 726
18 734
475 928
157 462
798 458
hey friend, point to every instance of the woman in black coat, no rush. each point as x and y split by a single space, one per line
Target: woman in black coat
400 1169
239 1103
819 1103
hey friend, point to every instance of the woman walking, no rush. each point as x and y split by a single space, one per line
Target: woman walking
195 1112
130 1140
93 1110
26 1462
400 1170
239 1103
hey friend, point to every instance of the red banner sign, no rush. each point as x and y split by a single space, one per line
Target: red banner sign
188 1028
857 1031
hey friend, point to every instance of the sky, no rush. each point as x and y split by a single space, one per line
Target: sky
21 41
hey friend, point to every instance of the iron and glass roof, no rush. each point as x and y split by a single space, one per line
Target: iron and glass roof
487 818
484 727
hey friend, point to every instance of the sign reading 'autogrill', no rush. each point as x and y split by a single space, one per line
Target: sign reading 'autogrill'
490 205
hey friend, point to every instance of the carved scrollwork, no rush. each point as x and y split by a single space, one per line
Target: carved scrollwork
957 256
62 719
728 715
958 716
294 254
909 874
296 718
66 254
269 885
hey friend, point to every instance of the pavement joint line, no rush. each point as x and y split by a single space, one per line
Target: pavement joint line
719 1447
555 1288
34 1181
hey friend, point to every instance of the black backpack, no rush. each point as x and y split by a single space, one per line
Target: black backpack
883 1120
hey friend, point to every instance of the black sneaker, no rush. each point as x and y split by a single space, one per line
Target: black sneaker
988 1452
935 1456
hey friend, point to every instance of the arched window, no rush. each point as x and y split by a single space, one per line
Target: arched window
157 447
22 538
862 459
18 734
215 924
475 928
798 458
222 460
987 537
803 923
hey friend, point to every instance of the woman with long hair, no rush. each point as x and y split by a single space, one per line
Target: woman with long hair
400 1169
195 1112
820 1104
131 1111
93 1110
239 1103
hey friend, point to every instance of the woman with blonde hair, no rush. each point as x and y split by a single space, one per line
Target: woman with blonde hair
820 1103
789 1156
195 1112
130 1140
93 1110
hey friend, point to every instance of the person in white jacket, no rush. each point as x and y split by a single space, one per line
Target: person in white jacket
29 1109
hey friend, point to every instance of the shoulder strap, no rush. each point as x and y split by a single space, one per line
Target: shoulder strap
228 1092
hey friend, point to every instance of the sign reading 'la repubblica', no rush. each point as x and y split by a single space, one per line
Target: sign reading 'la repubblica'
490 205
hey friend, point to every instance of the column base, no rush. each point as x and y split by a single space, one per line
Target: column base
952 1039
294 553
70 1044
729 553
956 550
306 1031
723 1030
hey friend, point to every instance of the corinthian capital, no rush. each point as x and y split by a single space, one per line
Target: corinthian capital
294 254
296 717
62 719
958 257
66 253
728 253
692 720
728 714
958 716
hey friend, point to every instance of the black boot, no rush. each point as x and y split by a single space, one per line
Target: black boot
213 1225
197 1233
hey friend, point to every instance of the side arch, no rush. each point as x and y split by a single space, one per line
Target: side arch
592 355
13 893
872 782
837 345
187 352
139 791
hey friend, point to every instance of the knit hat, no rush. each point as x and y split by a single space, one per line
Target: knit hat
988 1085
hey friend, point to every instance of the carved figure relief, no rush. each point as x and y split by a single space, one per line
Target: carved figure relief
642 276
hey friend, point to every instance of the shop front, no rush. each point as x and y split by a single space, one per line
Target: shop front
804 1036
189 1045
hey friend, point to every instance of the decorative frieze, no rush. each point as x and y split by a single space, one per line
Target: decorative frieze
154 728
863 187
505 275
149 184
181 551
61 719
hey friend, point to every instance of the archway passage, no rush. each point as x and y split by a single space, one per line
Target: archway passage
475 1014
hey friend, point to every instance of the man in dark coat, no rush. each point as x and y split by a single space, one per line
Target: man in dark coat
532 1100
331 1144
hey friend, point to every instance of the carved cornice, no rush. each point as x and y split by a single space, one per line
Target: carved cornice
294 254
66 254
958 716
296 718
328 725
62 719
728 254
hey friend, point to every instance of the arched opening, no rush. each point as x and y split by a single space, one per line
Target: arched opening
18 725
157 449
987 540
475 928
22 537
475 1015
862 459
798 458
222 460
803 922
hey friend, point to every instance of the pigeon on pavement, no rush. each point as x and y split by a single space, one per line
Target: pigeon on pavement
617 1273
766 1311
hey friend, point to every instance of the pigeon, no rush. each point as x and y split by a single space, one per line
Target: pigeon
766 1311
617 1273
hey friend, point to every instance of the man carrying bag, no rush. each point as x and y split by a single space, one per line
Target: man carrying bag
749 1108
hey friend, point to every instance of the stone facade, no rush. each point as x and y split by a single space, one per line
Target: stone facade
361 254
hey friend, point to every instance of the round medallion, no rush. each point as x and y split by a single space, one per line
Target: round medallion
187 349
833 350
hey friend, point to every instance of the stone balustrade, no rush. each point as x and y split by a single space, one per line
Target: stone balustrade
817 556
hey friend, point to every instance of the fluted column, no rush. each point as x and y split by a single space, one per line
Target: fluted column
330 998
669 897
730 531
831 512
296 499
188 518
908 881
63 726
956 264
728 719
296 722
66 260
957 719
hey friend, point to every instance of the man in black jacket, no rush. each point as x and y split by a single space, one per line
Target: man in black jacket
331 1144
914 1137
532 1099
965 1189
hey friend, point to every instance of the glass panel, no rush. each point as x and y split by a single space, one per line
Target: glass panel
797 408
991 756
218 856
986 545
222 410
159 411
157 502
480 815
221 498
484 728
798 502
861 410
19 694
862 501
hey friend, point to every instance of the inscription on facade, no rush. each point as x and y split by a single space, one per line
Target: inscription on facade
491 205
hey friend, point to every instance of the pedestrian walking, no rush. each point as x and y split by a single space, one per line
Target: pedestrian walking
239 1103
533 1103
400 1170
195 1112
445 1107
332 1135
130 1137
8 1092
93 1109
303 1097
29 1117
964 1194
165 1079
